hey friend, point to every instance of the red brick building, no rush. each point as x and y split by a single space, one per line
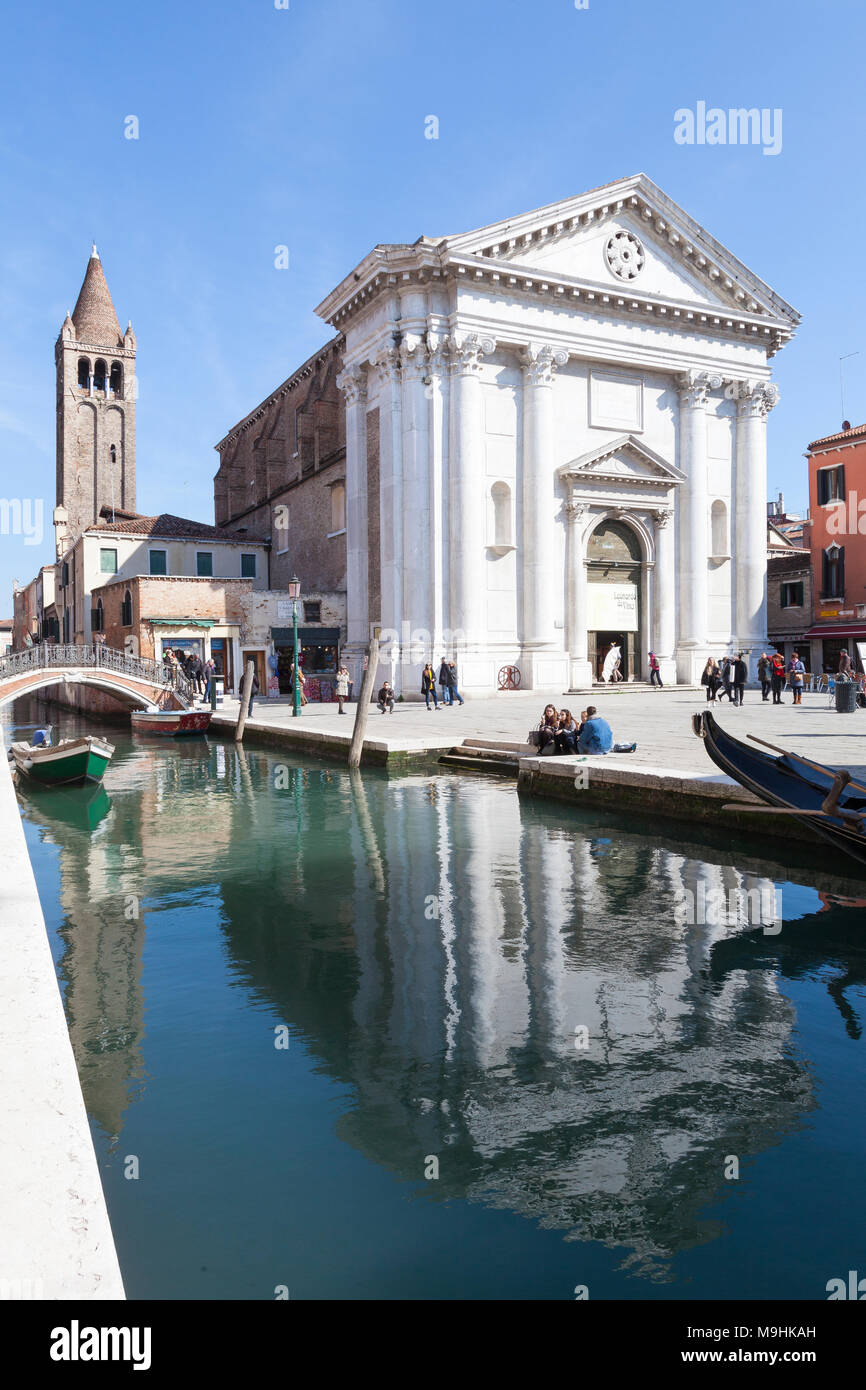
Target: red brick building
837 503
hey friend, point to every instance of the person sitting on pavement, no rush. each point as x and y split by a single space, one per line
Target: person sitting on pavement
386 698
547 728
565 737
597 736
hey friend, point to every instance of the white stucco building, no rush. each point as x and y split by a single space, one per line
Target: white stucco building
556 438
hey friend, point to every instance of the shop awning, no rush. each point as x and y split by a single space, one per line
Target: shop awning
182 622
837 630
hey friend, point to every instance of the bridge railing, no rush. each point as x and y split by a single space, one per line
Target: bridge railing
44 655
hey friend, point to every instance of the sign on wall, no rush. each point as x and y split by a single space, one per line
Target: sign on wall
613 607
284 610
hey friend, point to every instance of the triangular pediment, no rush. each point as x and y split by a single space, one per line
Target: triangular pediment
624 460
626 237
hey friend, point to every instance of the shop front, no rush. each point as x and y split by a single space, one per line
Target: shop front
319 654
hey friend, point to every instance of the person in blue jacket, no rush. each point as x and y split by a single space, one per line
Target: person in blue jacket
596 736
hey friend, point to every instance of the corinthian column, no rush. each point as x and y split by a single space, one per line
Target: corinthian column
693 525
754 401
417 519
467 491
353 383
664 625
580 673
541 585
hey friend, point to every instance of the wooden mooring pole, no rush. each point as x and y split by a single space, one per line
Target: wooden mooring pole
367 683
245 703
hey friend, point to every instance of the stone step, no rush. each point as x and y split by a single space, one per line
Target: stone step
484 747
497 766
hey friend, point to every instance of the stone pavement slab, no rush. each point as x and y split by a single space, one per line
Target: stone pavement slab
659 721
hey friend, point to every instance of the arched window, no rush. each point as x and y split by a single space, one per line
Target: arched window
116 379
97 621
502 521
613 543
112 453
99 372
84 372
719 529
126 610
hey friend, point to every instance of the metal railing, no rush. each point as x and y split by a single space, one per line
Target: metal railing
45 655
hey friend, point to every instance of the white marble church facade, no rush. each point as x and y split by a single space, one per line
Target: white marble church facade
556 437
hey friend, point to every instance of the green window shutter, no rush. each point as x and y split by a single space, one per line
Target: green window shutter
204 564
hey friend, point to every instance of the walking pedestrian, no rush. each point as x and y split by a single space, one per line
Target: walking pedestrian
739 672
765 675
209 679
777 677
710 679
655 670
428 685
726 679
445 682
342 687
844 664
796 674
455 693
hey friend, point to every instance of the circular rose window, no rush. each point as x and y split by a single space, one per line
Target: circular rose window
624 255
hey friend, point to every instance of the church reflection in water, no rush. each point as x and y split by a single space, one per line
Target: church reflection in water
445 951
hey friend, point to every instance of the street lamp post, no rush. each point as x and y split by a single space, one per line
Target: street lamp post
294 593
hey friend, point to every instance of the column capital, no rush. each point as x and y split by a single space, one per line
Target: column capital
694 388
414 358
575 511
465 352
352 381
540 362
387 359
755 398
662 517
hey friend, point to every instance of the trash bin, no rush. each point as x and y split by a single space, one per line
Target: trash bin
846 696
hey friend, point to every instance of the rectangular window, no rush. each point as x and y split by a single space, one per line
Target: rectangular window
126 610
831 484
313 612
108 561
833 577
338 508
64 575
204 564
792 595
159 562
248 566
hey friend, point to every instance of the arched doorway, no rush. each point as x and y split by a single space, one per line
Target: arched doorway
614 605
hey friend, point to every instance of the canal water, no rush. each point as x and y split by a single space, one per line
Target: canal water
408 1037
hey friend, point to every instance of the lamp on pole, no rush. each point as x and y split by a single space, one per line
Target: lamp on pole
294 594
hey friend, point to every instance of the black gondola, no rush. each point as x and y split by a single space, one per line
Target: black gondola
827 800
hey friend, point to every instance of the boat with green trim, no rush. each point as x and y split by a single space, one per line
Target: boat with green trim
71 762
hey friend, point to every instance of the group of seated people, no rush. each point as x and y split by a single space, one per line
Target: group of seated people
591 734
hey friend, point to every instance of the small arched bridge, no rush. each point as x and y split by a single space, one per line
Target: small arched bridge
134 680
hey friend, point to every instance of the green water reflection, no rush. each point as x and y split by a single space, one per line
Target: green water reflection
436 950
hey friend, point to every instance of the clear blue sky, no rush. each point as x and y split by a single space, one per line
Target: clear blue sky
305 127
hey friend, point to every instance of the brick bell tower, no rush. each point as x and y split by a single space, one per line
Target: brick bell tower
96 390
